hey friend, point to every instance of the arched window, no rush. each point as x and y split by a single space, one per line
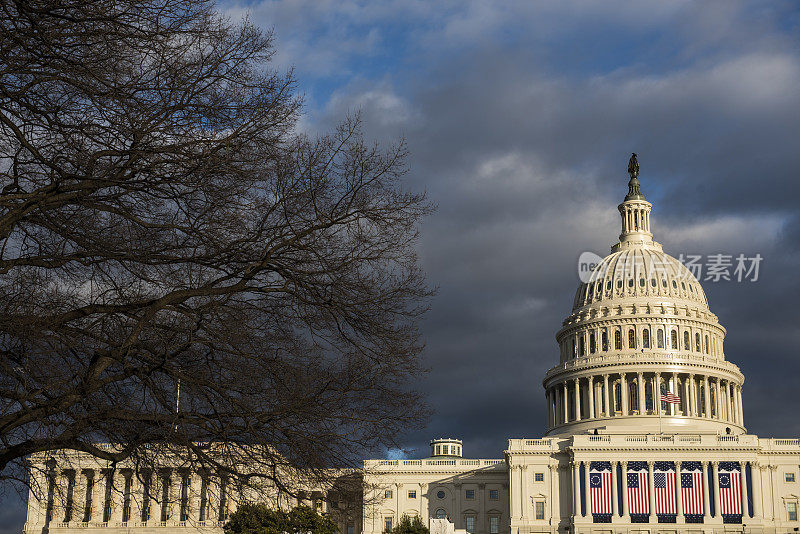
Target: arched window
646 338
617 340
604 340
631 338
441 513
674 339
633 396
706 347
592 343
648 395
581 346
686 345
617 397
696 341
660 338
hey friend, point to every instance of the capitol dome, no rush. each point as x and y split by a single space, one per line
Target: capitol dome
640 331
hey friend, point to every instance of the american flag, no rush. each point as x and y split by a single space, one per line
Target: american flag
638 488
730 488
692 488
664 488
600 487
668 396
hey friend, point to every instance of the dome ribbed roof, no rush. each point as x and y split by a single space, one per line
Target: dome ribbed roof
639 272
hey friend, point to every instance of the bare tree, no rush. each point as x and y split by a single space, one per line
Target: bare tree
178 265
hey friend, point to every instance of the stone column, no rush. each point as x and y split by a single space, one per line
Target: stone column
758 496
626 513
679 493
740 405
693 411
590 397
605 395
672 390
78 496
196 486
588 508
706 494
577 399
458 519
98 494
717 401
576 489
651 493
554 489
565 400
686 407
640 386
745 507
715 477
623 391
707 399
614 494
117 497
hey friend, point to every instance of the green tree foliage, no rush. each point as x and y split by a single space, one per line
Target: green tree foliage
261 519
409 525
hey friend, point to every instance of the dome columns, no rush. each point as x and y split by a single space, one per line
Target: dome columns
630 401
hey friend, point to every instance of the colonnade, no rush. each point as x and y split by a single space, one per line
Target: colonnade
121 496
638 393
711 493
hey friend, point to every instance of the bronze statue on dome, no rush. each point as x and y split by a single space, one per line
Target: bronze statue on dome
633 166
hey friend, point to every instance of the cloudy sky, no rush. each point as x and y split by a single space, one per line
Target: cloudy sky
520 118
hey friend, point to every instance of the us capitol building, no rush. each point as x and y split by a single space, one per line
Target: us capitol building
645 434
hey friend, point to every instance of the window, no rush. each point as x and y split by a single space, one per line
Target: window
617 397
351 529
438 449
185 484
641 282
789 477
412 494
494 524
440 494
441 514
630 282
633 396
697 342
539 510
646 338
617 340
631 338
674 339
388 494
592 344
538 477
469 494
791 511
604 340
706 347
470 521
660 338
494 495
686 340
581 346
387 524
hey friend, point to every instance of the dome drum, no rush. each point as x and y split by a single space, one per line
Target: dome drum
644 401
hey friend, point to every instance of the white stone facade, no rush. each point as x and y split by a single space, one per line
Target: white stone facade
640 328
